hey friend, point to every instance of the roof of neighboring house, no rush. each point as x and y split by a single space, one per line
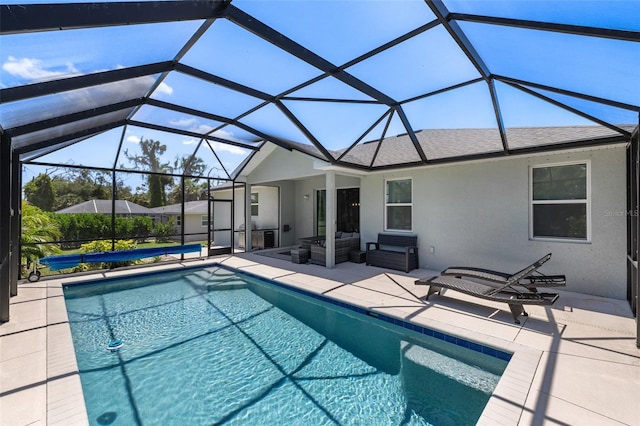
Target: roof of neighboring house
190 207
104 206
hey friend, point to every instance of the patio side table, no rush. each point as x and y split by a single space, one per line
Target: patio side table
357 256
300 255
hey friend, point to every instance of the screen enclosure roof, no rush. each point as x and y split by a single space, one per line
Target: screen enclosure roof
366 84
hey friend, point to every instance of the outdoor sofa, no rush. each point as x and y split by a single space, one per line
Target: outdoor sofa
344 243
394 252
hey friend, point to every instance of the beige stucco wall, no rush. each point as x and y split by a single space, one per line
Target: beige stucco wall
193 225
478 214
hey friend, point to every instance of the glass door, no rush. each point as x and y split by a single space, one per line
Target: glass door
348 215
348 210
321 208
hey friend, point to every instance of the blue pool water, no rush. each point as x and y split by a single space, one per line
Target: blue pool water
209 346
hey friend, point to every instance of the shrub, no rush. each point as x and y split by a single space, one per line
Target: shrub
141 227
164 232
92 226
82 226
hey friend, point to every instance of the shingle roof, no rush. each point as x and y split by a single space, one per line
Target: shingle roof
104 207
451 143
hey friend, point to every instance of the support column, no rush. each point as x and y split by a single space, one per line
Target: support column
636 140
5 218
247 217
15 227
330 215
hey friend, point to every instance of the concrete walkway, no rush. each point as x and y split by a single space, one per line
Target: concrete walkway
574 363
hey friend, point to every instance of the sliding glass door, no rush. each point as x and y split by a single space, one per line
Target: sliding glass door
347 214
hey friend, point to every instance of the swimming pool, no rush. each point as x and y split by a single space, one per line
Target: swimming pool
210 346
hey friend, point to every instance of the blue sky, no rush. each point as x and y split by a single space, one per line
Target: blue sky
339 31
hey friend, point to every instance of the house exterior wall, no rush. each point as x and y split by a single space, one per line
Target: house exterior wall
283 165
193 225
287 212
477 214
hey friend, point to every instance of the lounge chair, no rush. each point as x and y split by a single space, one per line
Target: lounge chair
506 293
528 277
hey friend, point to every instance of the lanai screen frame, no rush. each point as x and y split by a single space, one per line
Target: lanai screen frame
35 18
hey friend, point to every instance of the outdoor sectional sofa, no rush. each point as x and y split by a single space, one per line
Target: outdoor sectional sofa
344 243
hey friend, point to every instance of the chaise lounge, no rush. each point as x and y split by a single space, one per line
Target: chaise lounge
507 294
528 277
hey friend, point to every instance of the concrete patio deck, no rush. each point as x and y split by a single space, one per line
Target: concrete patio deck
574 363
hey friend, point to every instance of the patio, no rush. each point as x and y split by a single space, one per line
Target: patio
494 131
574 363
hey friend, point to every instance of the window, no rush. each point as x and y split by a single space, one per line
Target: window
254 204
398 205
178 221
204 220
560 201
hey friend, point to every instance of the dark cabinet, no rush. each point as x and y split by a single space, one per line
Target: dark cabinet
259 239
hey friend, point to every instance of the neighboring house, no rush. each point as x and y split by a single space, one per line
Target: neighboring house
502 212
196 219
122 207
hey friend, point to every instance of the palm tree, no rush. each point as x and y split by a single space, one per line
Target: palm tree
38 232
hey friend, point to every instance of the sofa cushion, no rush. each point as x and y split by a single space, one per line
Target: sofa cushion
347 234
339 234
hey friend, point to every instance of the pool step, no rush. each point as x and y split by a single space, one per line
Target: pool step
415 357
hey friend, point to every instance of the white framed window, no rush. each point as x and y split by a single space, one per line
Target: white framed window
204 220
398 206
254 204
560 196
178 221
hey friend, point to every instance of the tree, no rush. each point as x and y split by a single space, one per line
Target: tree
192 192
79 185
150 160
190 166
40 192
38 233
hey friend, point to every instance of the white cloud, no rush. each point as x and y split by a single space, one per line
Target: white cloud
183 122
133 139
164 89
35 69
192 125
231 149
191 141
202 128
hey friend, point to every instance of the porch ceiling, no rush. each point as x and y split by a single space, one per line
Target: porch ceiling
365 84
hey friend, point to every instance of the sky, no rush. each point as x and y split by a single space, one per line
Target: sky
338 31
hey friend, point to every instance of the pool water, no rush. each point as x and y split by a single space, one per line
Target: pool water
209 346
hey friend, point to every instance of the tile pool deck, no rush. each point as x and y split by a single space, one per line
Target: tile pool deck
574 363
